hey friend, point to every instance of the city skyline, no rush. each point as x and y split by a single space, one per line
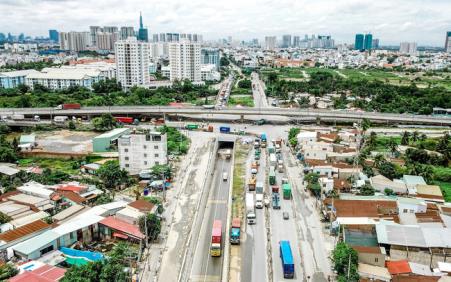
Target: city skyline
425 23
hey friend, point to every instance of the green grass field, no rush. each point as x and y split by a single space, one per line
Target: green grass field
67 166
446 189
245 101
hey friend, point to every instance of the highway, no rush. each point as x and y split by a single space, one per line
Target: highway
258 92
253 246
296 114
206 268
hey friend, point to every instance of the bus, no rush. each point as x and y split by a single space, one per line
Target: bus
216 239
287 259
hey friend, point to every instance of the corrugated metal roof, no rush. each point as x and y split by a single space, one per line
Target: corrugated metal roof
31 245
113 133
22 231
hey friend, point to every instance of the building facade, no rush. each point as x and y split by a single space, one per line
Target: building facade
105 40
448 42
53 35
270 42
126 32
132 62
368 42
142 151
358 44
286 41
210 56
143 34
13 79
74 41
185 62
408 48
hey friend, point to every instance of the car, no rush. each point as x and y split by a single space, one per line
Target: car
285 215
225 176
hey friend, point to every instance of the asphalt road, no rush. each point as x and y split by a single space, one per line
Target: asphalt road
254 255
205 267
258 92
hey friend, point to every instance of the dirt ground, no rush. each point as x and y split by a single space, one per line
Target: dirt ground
63 141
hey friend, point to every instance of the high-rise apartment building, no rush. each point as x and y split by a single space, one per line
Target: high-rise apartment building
110 29
376 43
359 42
74 41
143 34
105 40
126 32
132 62
448 42
368 44
210 56
286 41
408 48
184 59
93 32
296 41
270 42
53 35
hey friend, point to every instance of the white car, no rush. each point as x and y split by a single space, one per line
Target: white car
225 176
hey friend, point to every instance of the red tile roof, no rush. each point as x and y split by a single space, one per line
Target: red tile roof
142 205
46 273
312 162
28 229
122 226
398 267
74 197
372 208
69 187
415 278
365 249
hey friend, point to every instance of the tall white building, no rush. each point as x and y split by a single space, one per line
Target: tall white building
126 32
408 48
132 62
270 42
184 59
139 151
74 41
106 40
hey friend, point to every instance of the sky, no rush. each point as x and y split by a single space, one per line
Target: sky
392 21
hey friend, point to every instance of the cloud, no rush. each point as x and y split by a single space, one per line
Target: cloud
390 21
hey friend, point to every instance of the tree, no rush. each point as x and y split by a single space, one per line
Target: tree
405 138
366 124
389 192
7 271
366 190
159 170
393 146
71 125
444 146
387 169
104 122
292 136
4 218
378 159
345 260
112 175
415 136
372 139
153 224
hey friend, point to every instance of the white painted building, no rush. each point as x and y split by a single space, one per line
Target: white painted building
209 73
305 137
132 62
141 151
184 59
62 78
74 41
408 48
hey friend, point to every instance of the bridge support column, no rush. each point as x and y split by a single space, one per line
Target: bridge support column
242 118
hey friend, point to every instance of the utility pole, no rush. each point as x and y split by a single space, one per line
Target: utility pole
349 265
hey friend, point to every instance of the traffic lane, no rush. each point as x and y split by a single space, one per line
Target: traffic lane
206 267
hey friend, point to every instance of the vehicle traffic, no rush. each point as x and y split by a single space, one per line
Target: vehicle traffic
73 106
216 239
250 209
235 231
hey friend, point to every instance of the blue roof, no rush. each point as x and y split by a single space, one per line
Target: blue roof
286 252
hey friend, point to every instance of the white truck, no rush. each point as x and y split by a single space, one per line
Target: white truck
259 201
60 119
17 117
250 209
280 166
272 159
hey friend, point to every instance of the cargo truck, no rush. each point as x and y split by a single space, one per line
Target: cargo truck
259 187
263 140
216 239
276 201
286 189
287 259
272 160
235 231
257 154
259 201
272 177
192 126
250 209
73 106
60 119
251 184
271 149
224 129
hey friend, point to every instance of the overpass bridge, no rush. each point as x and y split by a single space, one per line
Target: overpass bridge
307 115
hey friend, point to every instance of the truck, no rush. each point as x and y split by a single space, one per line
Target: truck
235 231
224 129
272 160
272 177
126 120
216 239
280 165
250 209
257 154
287 259
208 107
192 126
17 117
254 165
256 143
278 148
271 149
259 201
276 201
60 119
251 184
263 140
73 106
286 189
259 187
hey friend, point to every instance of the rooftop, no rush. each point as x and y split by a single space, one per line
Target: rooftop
113 133
398 267
142 205
122 226
46 273
24 230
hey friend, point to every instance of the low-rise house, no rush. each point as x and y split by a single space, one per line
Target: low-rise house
374 209
373 273
380 183
400 267
315 155
346 171
90 168
42 204
341 185
112 227
326 184
412 181
305 137
36 189
411 205
431 193
30 272
8 170
371 255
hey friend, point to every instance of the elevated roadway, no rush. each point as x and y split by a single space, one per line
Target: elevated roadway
242 112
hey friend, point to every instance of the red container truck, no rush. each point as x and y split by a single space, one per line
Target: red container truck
74 106
216 239
128 120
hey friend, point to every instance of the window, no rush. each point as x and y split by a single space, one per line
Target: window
404 210
156 138
71 235
157 163
157 155
145 162
376 259
145 155
126 150
126 158
155 147
127 165
145 147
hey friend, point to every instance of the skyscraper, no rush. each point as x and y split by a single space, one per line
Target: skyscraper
132 62
74 41
375 43
105 40
368 42
184 59
359 39
143 34
286 41
296 41
126 32
210 56
53 35
448 42
270 42
93 31
408 48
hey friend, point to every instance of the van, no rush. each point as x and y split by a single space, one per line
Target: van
225 176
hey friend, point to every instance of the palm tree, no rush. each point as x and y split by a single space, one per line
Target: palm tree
415 136
405 138
393 146
372 139
378 160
